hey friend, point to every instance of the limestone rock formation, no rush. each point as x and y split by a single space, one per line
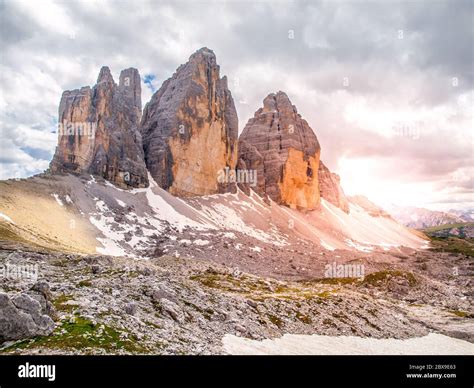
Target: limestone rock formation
190 129
23 316
98 130
280 145
330 188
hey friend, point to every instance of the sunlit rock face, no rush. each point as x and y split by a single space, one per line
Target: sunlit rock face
330 188
280 145
98 130
190 129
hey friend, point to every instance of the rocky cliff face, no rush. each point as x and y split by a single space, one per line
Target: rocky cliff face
280 145
330 188
98 130
190 129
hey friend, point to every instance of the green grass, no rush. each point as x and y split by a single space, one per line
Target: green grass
447 226
80 335
60 303
382 276
453 245
275 320
227 282
304 318
461 314
332 281
257 289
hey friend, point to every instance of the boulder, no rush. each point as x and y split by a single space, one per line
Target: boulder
21 317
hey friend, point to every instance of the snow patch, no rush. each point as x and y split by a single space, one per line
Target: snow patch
289 344
325 245
165 211
6 218
58 200
121 203
359 247
200 242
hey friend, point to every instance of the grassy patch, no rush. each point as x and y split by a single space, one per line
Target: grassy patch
382 276
61 304
453 245
227 282
84 283
447 226
461 314
332 281
304 318
257 289
207 313
275 320
83 334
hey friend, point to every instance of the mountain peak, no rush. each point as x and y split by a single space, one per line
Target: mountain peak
101 125
284 151
190 128
105 75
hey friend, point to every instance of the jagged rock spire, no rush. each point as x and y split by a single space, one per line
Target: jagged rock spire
280 145
98 130
190 128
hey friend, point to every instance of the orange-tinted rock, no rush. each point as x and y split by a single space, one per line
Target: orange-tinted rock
280 145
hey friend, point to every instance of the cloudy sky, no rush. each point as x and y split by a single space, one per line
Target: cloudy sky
387 87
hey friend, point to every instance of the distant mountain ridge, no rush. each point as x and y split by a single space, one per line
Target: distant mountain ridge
420 218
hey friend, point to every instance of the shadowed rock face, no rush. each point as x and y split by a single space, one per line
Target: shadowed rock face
330 188
280 145
99 133
190 128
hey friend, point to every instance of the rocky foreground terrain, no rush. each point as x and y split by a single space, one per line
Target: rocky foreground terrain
90 304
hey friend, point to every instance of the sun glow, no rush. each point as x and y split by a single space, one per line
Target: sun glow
363 176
